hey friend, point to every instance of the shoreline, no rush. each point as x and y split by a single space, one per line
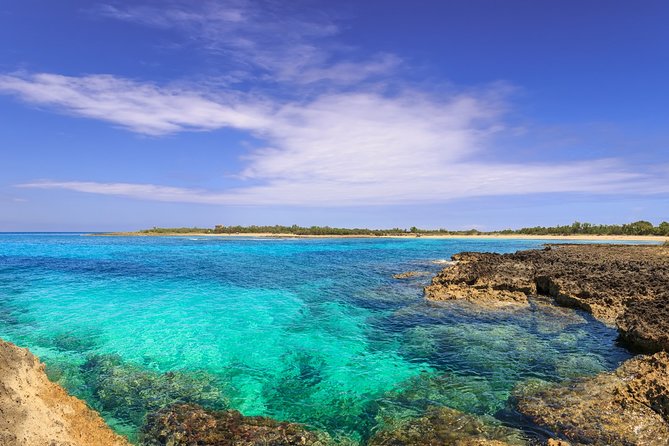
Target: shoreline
631 238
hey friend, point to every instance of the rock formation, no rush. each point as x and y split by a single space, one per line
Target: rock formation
627 407
34 411
626 285
623 285
190 424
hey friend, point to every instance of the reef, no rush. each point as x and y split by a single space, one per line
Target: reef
445 426
129 392
36 411
625 285
190 424
410 274
622 285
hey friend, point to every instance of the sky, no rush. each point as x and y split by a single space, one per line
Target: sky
458 114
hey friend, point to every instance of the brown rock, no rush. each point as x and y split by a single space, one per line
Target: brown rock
410 274
623 284
35 411
445 426
189 424
554 442
627 407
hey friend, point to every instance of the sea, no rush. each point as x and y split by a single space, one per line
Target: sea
314 331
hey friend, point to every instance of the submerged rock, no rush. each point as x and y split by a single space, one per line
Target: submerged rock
129 392
36 411
410 274
189 424
445 426
627 407
623 284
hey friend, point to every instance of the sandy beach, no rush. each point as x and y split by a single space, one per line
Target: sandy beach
622 238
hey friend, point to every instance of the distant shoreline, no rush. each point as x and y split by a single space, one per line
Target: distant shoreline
640 238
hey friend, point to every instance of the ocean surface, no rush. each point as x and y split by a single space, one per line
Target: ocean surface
307 330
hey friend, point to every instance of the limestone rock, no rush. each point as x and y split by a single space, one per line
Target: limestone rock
627 407
626 285
35 411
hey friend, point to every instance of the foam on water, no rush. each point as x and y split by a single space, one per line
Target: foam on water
308 330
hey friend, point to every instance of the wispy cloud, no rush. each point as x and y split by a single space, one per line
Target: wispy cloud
340 148
143 108
461 181
274 41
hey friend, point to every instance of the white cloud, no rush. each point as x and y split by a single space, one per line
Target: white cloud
143 108
461 181
354 148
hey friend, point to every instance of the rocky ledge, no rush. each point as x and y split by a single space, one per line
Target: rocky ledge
624 285
35 411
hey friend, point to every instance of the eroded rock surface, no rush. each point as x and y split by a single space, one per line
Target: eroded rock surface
627 407
35 411
627 285
445 426
190 424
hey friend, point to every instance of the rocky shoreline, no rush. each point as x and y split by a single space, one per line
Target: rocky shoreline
622 285
35 411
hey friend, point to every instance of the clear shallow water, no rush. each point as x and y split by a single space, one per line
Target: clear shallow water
307 330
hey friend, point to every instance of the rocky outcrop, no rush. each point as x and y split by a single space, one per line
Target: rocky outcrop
644 325
627 407
35 411
445 426
484 278
624 285
190 424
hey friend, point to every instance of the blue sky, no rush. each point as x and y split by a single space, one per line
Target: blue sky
457 114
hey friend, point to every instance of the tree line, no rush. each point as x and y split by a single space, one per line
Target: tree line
640 227
577 228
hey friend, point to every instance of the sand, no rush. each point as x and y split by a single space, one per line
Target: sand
622 238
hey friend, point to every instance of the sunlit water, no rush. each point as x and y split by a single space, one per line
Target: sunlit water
310 330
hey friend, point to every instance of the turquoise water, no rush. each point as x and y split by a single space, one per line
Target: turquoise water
308 330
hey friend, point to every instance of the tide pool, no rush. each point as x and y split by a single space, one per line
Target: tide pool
307 330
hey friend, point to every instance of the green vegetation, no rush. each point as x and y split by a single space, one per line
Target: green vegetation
576 228
637 228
